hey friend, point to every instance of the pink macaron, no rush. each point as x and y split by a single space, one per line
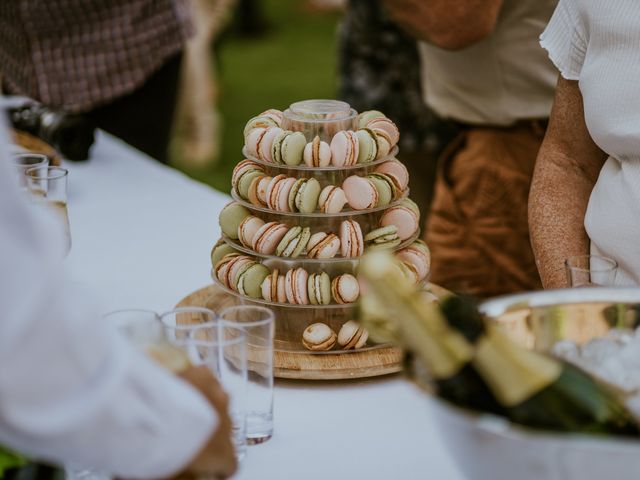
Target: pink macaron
270 198
267 238
261 193
322 245
248 229
344 148
403 218
263 148
253 139
332 199
295 284
418 258
351 240
383 124
234 267
397 171
361 193
273 114
282 191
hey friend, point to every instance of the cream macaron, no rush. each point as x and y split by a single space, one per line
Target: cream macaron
319 337
267 238
345 289
247 230
352 336
323 245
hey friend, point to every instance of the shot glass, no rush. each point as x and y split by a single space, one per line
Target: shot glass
48 189
590 271
259 326
222 348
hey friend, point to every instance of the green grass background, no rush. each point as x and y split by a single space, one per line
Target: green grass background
294 60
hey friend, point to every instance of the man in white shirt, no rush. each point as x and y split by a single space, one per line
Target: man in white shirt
73 391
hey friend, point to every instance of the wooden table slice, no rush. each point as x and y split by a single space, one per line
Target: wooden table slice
300 364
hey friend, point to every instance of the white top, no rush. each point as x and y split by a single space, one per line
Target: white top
148 246
501 79
72 390
596 43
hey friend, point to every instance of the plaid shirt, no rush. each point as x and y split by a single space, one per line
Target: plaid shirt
79 54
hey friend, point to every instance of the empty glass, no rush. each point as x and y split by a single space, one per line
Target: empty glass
259 325
144 329
48 189
220 347
590 271
25 161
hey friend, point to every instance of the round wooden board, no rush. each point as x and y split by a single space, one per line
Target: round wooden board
301 365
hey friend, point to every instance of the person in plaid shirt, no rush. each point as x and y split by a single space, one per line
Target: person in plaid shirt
117 61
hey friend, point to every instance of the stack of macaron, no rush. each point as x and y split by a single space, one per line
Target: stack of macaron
266 140
298 287
321 337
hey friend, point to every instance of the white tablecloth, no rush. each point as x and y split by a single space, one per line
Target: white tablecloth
142 234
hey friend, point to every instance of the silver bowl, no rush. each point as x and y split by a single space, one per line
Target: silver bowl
487 447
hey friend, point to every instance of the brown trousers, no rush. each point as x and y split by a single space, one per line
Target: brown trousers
478 230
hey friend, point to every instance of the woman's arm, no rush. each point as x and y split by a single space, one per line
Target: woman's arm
446 24
567 168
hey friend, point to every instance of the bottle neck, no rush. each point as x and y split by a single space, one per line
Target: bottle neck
512 373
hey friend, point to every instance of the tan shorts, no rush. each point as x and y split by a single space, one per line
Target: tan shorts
477 229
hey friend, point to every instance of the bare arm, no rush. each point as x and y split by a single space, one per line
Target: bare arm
567 168
451 25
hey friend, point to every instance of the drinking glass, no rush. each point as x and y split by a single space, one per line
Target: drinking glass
259 326
48 189
144 329
590 271
223 350
26 161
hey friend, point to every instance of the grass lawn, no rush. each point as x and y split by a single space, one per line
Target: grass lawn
295 60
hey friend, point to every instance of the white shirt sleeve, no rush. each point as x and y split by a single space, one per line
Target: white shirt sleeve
72 390
566 39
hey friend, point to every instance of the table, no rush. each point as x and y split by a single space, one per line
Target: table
142 233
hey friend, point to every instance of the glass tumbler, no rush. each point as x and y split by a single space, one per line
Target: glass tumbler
259 325
48 189
223 350
26 161
590 271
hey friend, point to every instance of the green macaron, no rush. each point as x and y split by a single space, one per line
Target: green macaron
276 147
365 117
411 205
231 217
382 238
245 180
250 280
319 288
294 191
294 242
259 121
219 250
367 146
384 186
292 147
307 196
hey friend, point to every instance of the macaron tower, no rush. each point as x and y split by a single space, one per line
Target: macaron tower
319 186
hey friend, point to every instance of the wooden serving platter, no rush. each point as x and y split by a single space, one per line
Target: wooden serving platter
291 361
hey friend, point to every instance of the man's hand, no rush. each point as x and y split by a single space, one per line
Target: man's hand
452 25
217 457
